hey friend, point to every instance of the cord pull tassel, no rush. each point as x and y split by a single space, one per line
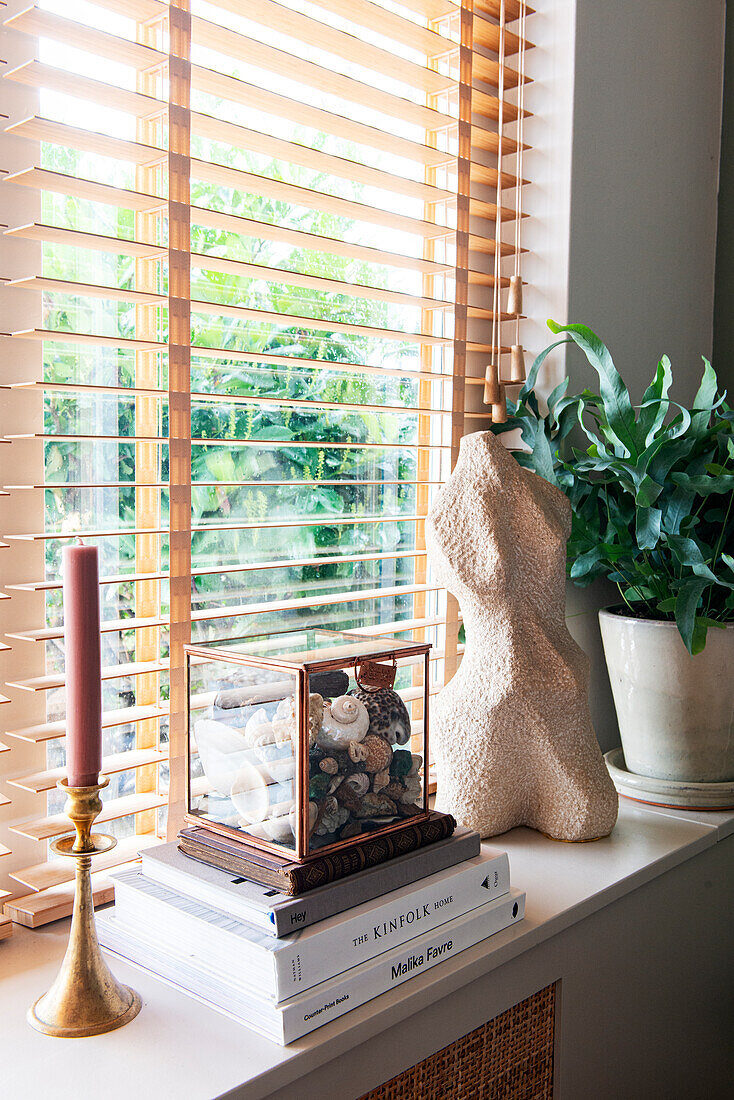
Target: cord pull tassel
514 298
517 363
491 385
499 408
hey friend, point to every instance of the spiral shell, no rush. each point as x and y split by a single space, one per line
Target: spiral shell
359 783
345 721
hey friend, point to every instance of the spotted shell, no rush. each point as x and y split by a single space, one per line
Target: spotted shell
344 721
388 714
378 753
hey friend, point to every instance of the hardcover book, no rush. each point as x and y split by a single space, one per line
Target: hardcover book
277 913
282 967
303 1013
296 878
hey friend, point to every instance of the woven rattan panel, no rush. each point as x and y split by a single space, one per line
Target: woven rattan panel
508 1058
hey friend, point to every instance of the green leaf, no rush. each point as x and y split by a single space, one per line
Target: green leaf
686 605
700 629
704 400
584 563
647 527
688 552
532 378
543 463
648 492
654 405
274 431
704 485
618 409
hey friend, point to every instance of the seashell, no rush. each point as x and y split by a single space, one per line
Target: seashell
222 750
417 764
277 828
277 756
348 797
357 753
380 780
313 812
344 721
376 805
359 783
329 765
388 714
332 818
285 717
408 809
258 726
379 753
351 829
250 793
335 782
394 790
413 789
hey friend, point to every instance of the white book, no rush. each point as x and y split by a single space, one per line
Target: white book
303 1013
282 967
280 914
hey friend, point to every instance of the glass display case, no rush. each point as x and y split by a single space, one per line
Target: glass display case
306 741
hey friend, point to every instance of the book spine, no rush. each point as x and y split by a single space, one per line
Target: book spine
312 907
320 872
304 962
213 940
317 1008
198 982
224 900
310 1010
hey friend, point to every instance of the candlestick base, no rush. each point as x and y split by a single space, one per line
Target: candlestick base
85 999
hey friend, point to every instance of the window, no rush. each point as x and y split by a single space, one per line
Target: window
259 265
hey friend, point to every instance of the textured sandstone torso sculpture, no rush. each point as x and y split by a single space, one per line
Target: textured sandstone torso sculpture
511 733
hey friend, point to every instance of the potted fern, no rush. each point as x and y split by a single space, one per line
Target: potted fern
652 492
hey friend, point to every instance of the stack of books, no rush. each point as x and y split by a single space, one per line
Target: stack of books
284 964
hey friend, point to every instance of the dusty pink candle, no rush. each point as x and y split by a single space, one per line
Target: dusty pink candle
83 665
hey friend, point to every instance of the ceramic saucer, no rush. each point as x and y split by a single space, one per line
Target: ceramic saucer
672 793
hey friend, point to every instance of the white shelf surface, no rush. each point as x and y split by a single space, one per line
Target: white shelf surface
178 1047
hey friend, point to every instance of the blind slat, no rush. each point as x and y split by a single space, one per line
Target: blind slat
38 782
44 828
46 24
224 86
55 872
345 46
262 401
49 731
199 571
255 52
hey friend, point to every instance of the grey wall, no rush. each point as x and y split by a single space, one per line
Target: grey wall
646 136
644 176
724 294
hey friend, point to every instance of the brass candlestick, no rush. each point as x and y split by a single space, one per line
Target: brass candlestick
85 998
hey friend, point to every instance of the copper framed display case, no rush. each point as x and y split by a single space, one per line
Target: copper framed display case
307 741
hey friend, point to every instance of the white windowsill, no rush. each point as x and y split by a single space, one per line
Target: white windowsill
178 1048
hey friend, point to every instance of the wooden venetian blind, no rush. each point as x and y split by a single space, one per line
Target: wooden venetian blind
265 255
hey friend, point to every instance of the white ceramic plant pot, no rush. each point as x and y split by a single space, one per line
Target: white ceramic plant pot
675 711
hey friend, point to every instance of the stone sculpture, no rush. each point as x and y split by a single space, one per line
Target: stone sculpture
511 733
